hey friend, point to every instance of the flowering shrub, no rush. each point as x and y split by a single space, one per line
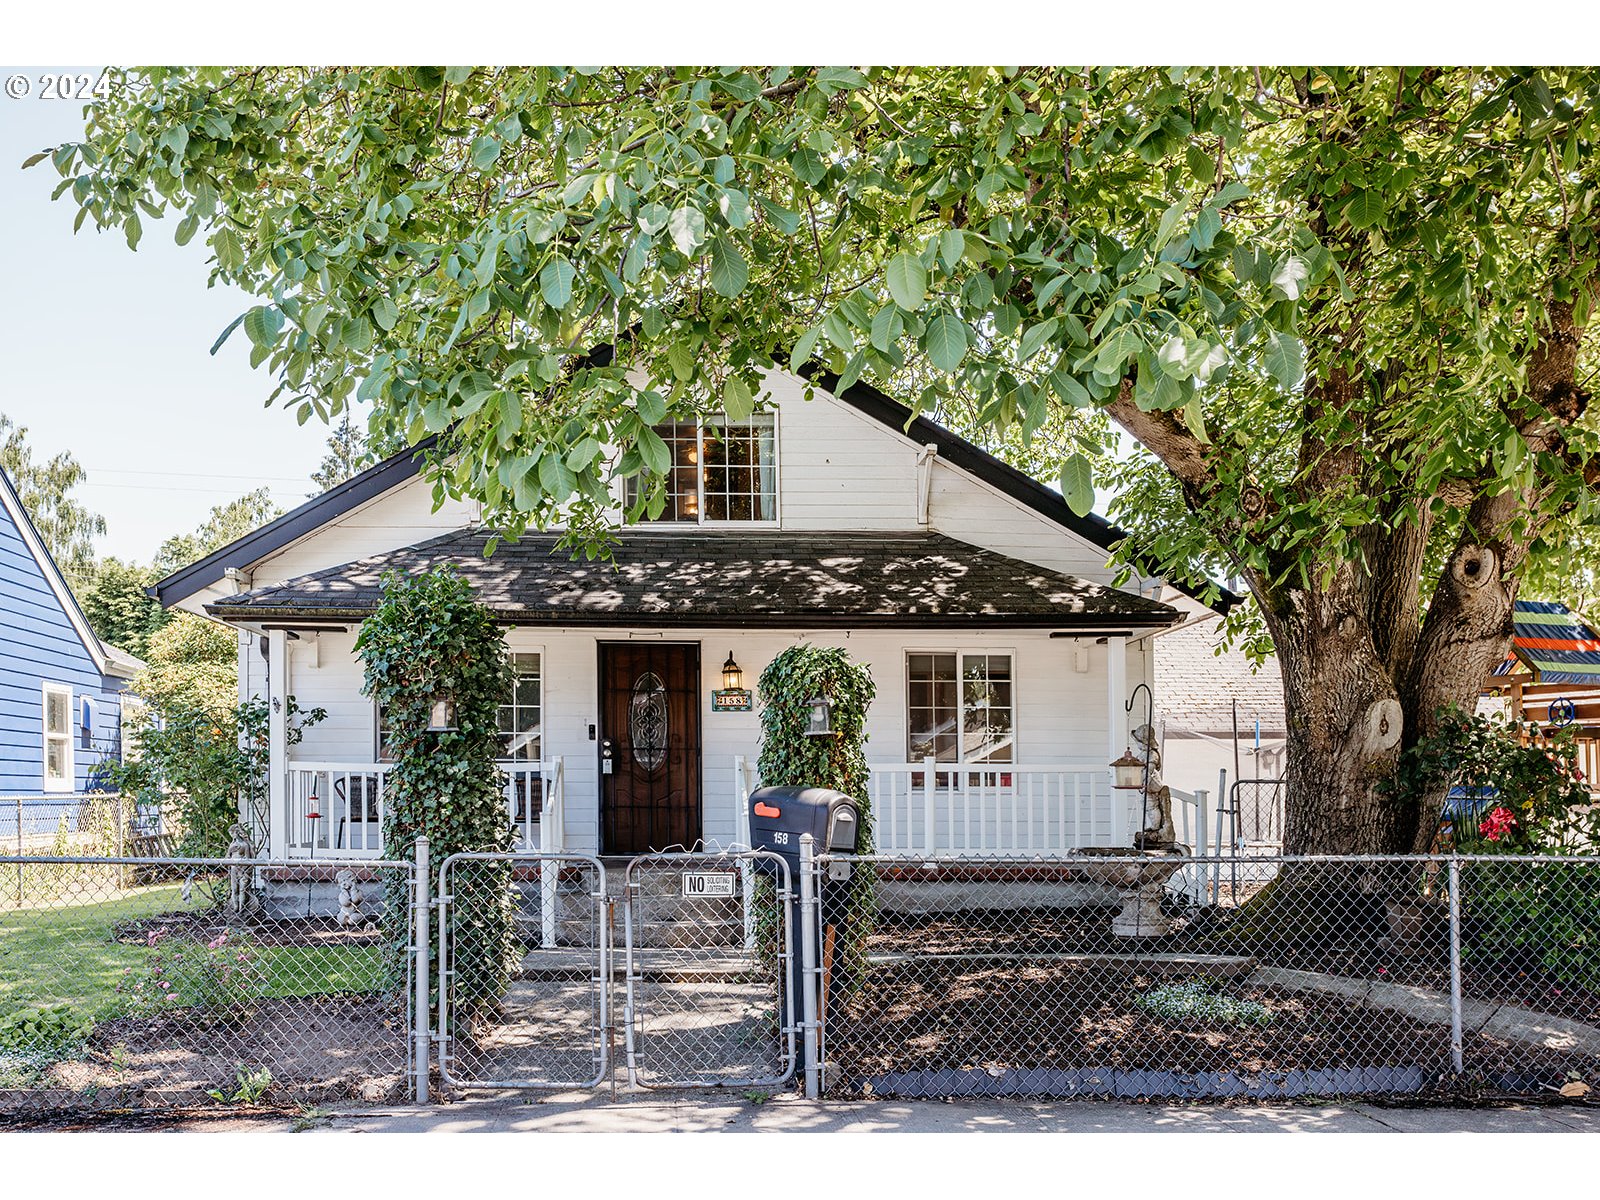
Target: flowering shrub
1500 822
216 976
1196 1001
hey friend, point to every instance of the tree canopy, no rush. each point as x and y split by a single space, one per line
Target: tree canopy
1341 309
223 524
68 528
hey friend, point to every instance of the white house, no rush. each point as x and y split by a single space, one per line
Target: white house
1003 654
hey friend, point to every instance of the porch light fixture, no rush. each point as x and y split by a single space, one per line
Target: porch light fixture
442 716
820 725
1129 771
732 676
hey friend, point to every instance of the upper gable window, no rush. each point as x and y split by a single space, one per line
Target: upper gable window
722 470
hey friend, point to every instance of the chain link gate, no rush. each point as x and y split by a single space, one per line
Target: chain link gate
710 996
538 1016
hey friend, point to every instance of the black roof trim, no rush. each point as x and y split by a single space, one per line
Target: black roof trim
1020 486
295 524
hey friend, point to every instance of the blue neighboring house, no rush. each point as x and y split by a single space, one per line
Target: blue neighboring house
62 690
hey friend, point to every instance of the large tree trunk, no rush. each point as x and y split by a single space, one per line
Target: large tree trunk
1351 710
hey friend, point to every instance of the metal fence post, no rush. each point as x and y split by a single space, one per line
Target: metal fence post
808 965
119 841
422 971
1456 1061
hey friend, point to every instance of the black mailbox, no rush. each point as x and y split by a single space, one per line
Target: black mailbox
780 815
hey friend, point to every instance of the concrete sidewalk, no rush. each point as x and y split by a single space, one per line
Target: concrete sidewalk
789 1114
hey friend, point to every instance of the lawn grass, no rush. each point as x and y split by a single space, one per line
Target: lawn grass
65 955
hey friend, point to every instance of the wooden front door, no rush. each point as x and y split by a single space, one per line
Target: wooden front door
649 747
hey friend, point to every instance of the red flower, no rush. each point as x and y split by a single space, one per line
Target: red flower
1498 823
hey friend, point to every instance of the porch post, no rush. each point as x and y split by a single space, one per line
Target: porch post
277 743
1117 727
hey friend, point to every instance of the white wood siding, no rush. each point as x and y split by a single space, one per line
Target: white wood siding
1060 714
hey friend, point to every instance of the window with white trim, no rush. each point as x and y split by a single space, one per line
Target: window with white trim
521 735
59 762
722 470
960 708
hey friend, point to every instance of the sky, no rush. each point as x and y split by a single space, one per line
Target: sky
104 353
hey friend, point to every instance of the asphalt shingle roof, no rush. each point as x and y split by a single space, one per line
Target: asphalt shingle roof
1196 687
749 577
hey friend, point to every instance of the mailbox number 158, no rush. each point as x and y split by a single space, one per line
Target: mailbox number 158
780 839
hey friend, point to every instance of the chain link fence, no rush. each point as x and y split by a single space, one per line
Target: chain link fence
1139 977
709 1001
525 948
164 982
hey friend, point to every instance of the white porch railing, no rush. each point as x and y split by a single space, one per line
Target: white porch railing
337 809
995 808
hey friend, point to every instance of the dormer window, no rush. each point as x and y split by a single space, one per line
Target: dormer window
722 471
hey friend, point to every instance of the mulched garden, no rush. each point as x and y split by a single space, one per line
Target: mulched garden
317 1049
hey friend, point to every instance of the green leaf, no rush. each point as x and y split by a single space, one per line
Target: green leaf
556 477
908 281
803 347
729 273
652 408
224 335
1283 359
737 398
1077 484
385 312
1036 337
680 357
952 245
230 254
687 227
1169 222
555 282
945 341
1286 280
1366 209
654 451
262 324
485 152
186 228
887 326
1070 390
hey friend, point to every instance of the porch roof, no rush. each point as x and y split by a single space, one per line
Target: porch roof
750 577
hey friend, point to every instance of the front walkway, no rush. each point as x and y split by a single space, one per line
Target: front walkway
577 1113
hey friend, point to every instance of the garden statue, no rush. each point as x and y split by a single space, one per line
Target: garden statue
349 899
239 877
1158 832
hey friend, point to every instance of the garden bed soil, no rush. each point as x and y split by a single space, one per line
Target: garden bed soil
318 1049
932 1017
206 924
1513 980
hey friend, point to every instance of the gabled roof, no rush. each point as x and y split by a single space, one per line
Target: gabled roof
108 660
1197 688
866 399
1553 643
757 577
294 524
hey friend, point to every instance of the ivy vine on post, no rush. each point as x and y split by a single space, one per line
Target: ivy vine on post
791 758
430 638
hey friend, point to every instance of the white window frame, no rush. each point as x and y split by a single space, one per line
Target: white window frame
535 651
948 772
701 519
68 736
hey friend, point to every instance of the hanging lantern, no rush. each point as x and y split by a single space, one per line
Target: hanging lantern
1128 772
820 725
442 716
732 676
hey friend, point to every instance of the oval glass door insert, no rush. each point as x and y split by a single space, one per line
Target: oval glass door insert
648 721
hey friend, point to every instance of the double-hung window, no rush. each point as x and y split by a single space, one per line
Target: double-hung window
59 762
520 712
961 708
722 471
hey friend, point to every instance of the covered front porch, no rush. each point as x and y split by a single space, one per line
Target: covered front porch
1002 691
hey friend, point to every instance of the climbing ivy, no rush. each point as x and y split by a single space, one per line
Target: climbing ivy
791 758
431 637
